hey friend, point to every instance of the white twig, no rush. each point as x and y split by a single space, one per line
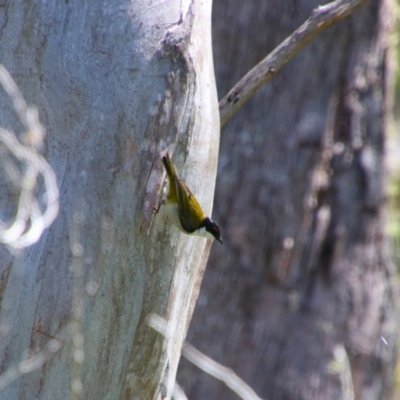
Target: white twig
29 221
208 365
159 324
178 393
218 371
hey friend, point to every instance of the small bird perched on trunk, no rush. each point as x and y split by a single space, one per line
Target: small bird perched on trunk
183 208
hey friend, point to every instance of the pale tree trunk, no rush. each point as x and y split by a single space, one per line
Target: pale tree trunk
116 84
301 301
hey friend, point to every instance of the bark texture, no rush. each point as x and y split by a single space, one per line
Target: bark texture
116 83
304 281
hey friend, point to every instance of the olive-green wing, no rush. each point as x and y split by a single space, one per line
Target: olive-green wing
191 214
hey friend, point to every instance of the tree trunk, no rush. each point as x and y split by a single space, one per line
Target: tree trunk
303 283
116 84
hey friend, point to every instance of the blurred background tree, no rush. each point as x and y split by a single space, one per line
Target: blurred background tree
303 293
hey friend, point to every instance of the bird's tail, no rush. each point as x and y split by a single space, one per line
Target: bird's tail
169 167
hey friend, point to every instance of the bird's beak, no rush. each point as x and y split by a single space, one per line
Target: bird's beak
220 240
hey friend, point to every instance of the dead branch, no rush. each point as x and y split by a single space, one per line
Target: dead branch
320 19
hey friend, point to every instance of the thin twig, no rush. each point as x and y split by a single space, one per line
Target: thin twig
320 19
208 365
218 371
178 393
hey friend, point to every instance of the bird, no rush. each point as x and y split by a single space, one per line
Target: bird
183 209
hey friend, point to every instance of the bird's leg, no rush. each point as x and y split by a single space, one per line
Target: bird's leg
162 201
157 209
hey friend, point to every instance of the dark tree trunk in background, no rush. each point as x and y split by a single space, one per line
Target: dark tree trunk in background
304 276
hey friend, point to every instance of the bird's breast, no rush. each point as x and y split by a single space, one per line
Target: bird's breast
173 213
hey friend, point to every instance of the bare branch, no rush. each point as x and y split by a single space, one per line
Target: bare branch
205 363
178 393
320 19
218 371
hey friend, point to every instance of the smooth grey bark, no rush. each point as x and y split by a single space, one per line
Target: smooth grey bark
305 275
116 83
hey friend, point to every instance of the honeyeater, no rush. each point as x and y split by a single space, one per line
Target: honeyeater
184 210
